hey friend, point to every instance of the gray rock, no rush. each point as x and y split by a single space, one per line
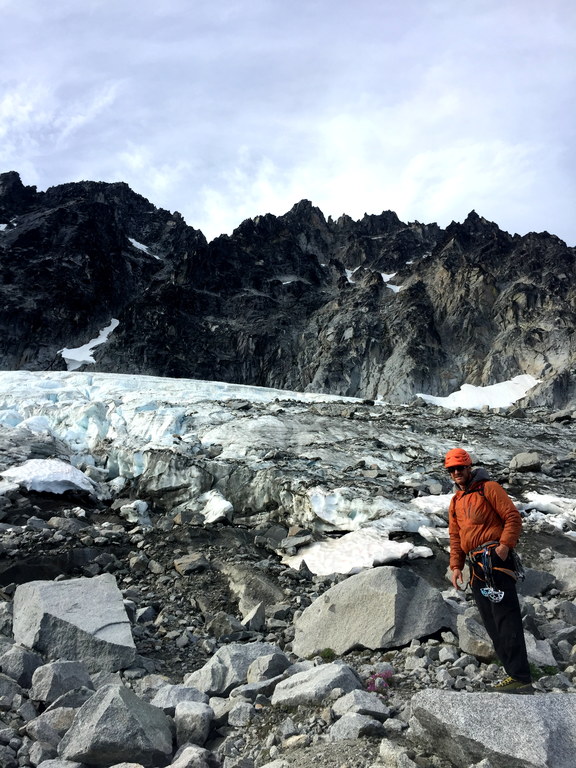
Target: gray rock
241 714
8 690
473 638
251 587
169 696
193 756
355 726
280 763
51 617
312 686
266 667
539 651
73 699
19 663
50 726
191 563
127 765
361 703
448 653
564 571
57 678
40 752
378 608
535 582
5 617
251 691
220 707
113 726
27 711
466 729
526 462
7 757
223 624
193 720
228 667
566 610
392 755
145 687
255 620
59 763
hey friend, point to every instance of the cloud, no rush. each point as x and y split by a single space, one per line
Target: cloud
229 110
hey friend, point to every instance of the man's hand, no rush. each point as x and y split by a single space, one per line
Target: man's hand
457 578
502 551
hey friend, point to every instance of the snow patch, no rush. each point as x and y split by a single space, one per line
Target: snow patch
78 356
500 395
49 476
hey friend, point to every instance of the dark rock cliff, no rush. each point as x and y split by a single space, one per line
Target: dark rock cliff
294 301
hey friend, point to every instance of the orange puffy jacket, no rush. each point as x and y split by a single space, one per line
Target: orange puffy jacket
481 513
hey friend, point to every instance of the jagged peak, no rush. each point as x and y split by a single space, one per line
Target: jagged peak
11 183
389 218
473 226
15 197
305 209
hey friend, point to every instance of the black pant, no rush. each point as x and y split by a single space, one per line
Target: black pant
503 620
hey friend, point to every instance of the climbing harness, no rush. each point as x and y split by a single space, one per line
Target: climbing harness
489 591
482 556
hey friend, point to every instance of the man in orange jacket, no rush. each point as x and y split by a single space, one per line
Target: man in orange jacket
485 525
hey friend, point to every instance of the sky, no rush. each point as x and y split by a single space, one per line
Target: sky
229 109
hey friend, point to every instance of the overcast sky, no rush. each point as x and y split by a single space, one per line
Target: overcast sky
226 109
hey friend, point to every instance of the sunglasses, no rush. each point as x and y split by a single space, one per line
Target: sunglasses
459 468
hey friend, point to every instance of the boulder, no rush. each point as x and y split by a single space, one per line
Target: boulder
8 689
59 763
8 757
228 667
193 756
169 696
313 685
51 617
40 752
50 726
379 608
473 638
266 667
539 651
115 726
564 570
526 462
255 620
50 681
465 729
251 691
361 703
355 726
19 663
193 720
251 587
535 582
241 714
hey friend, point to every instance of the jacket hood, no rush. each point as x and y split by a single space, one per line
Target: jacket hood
479 475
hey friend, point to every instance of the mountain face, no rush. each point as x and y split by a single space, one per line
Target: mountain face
369 308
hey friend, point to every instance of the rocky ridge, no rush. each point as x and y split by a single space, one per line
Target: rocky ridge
219 665
375 308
